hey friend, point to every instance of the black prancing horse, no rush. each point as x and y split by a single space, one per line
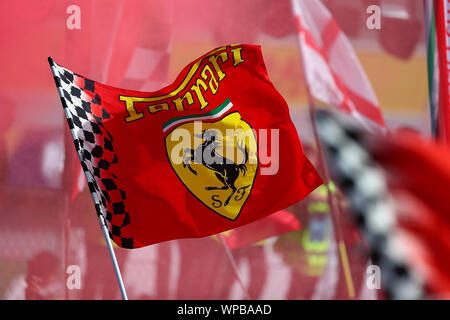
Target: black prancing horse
225 170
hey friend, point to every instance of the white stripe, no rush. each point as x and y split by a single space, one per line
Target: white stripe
295 8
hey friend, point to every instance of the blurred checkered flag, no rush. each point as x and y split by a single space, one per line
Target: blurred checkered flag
363 181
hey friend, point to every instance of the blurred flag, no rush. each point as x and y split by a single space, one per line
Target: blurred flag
148 65
418 175
136 47
6 120
332 70
37 160
140 63
151 160
397 186
401 27
442 16
276 224
432 63
74 180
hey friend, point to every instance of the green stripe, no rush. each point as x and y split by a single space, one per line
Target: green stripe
210 113
431 53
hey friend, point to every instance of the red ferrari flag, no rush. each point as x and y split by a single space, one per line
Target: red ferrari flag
213 151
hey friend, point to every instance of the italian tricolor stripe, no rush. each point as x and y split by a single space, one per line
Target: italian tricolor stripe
213 114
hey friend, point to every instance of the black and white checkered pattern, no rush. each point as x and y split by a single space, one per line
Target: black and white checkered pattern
364 183
94 145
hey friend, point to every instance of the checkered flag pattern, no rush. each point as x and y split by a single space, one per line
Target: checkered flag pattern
364 184
94 145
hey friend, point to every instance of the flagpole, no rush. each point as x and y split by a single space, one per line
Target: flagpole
102 221
66 222
339 238
233 265
331 200
68 165
94 197
333 208
66 248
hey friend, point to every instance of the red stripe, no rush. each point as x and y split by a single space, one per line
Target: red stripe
363 106
443 123
329 36
299 24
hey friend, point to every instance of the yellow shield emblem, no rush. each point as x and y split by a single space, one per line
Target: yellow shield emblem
216 161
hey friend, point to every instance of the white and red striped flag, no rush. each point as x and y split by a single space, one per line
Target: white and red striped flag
332 71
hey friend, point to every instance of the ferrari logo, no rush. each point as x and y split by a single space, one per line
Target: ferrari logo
216 161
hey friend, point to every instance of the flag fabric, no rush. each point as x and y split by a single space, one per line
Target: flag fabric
442 15
397 187
274 225
332 71
203 155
